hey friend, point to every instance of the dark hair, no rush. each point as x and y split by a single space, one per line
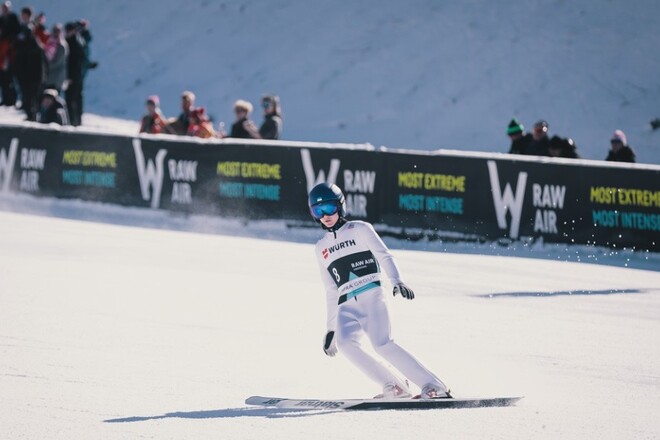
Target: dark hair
274 101
27 10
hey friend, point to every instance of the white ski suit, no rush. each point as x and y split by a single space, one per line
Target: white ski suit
350 259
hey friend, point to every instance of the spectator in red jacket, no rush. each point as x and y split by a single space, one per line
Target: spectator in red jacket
153 121
40 29
200 124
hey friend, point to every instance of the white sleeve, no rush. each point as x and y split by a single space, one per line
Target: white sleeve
382 253
332 295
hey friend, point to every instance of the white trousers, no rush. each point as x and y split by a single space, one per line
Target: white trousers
368 313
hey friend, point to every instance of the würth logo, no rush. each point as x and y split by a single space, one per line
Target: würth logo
342 245
325 253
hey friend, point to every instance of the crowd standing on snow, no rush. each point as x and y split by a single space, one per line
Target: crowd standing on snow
194 121
539 143
43 70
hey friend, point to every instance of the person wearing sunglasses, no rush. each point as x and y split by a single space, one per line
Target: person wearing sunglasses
350 256
620 151
271 128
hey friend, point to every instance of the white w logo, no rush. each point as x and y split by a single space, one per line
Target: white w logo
507 201
150 174
7 161
311 177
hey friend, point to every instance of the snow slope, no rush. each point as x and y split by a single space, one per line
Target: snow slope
417 74
122 332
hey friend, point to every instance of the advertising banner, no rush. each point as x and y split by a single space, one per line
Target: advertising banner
460 197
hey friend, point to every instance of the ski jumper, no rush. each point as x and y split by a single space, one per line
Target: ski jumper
350 260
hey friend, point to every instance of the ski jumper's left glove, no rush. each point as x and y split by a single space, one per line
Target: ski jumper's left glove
330 344
404 290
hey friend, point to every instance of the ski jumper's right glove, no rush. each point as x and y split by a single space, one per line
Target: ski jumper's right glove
404 290
330 344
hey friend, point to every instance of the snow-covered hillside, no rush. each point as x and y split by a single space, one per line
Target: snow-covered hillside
416 74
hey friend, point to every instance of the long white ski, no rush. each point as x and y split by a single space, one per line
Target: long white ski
376 404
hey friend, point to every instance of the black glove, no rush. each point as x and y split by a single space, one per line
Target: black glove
404 290
330 344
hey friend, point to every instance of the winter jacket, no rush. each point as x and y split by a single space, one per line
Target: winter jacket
520 145
625 154
57 52
271 127
76 60
31 64
244 129
182 123
9 26
538 148
55 113
153 124
565 147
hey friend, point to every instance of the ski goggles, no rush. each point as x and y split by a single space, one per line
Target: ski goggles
325 208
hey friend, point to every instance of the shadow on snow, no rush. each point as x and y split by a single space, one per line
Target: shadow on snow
227 413
563 293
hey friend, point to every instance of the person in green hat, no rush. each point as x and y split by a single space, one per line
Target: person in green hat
519 139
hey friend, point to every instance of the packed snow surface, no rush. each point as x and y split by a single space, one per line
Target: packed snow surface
124 332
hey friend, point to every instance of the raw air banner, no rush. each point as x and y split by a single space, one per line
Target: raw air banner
410 194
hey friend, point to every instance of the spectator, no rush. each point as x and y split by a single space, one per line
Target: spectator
40 29
539 144
31 70
53 109
560 147
200 125
272 125
75 65
9 27
519 139
9 21
57 51
182 123
86 37
620 151
153 121
243 127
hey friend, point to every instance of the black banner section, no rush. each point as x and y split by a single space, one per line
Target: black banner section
472 197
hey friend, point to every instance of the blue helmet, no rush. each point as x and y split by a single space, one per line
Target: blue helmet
324 193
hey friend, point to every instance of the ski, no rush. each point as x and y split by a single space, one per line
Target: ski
379 404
